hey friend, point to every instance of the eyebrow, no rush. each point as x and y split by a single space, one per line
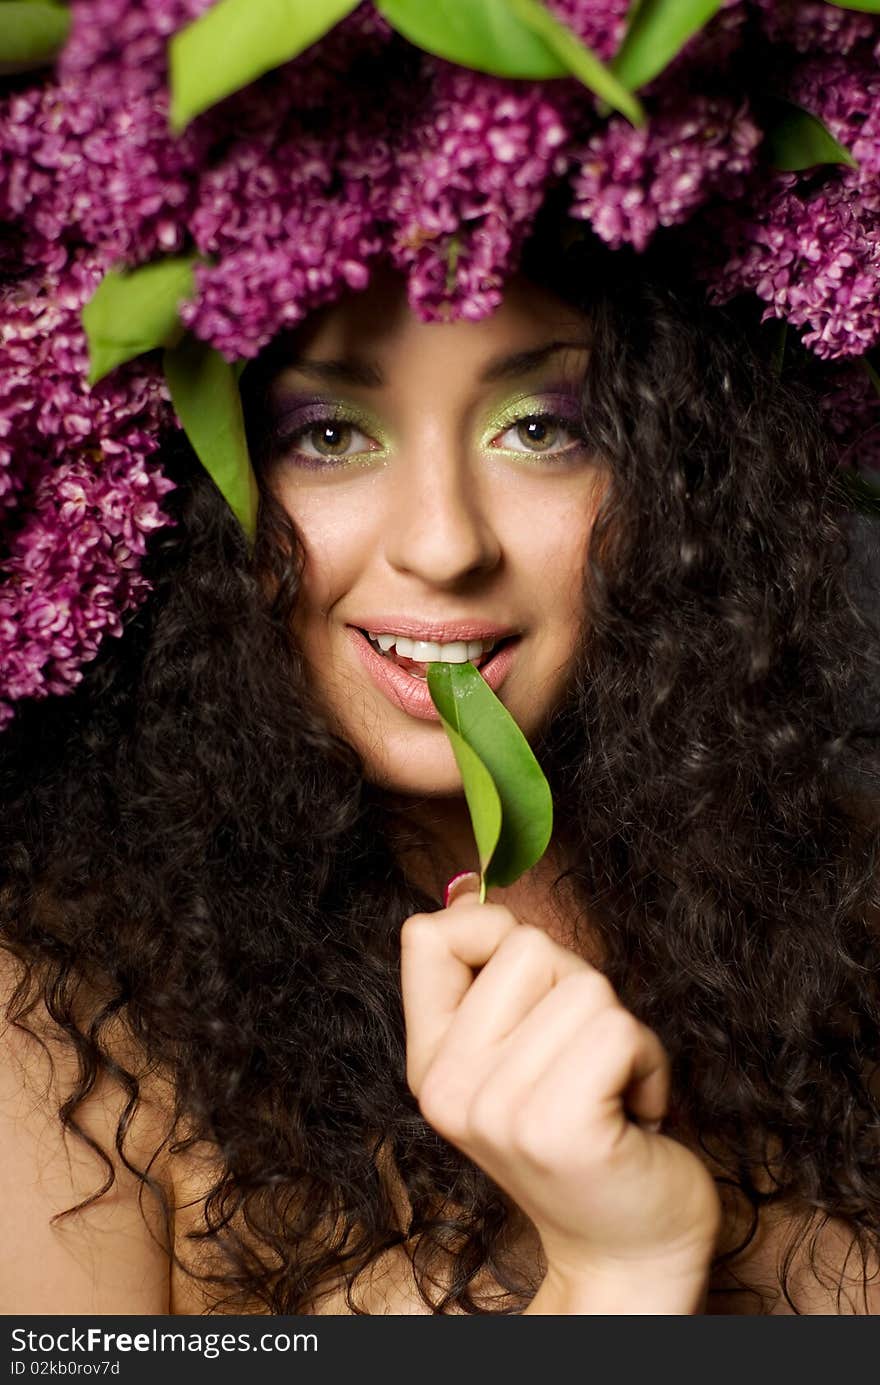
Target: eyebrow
351 371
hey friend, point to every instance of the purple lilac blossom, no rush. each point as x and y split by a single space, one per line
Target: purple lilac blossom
80 494
294 187
89 159
471 175
630 181
288 220
845 94
600 24
812 256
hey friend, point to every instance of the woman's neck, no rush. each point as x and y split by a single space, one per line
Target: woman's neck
433 840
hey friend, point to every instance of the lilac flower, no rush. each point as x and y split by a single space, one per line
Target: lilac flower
89 159
79 493
600 24
71 571
472 172
814 258
290 219
294 187
629 181
845 94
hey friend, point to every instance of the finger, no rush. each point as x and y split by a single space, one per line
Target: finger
438 955
614 1066
524 970
544 1035
535 1047
467 882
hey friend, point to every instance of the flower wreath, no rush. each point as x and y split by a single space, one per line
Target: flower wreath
180 180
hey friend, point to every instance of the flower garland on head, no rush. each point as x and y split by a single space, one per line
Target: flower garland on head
181 180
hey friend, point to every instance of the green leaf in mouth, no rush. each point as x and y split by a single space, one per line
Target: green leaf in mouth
507 794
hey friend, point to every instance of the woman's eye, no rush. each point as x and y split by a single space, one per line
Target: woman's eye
330 439
539 433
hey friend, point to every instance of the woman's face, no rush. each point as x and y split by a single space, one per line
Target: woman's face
442 492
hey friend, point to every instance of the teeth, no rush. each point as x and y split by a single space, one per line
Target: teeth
431 652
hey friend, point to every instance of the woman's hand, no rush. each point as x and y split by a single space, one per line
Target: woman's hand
536 1071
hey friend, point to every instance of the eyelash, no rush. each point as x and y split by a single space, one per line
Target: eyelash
285 440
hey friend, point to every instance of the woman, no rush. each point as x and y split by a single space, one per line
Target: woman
224 855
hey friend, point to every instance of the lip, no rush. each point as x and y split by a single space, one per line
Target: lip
441 631
410 694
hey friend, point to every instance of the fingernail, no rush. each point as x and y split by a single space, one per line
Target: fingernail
449 892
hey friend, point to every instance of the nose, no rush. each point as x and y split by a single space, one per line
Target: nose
438 525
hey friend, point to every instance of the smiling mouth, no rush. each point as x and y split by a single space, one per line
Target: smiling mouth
417 669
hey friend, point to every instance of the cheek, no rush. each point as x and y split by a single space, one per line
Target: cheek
337 545
557 548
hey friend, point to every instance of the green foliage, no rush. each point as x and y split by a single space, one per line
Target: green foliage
507 38
235 42
866 6
495 748
204 392
794 138
482 34
32 32
579 60
482 799
133 311
657 30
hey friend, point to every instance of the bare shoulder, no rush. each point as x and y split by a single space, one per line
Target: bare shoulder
109 1257
817 1258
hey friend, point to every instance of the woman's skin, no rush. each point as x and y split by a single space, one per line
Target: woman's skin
441 522
517 1049
436 472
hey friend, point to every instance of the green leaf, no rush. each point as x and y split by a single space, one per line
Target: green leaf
866 6
483 34
483 802
132 311
795 139
507 38
580 61
656 33
235 42
31 34
204 392
467 704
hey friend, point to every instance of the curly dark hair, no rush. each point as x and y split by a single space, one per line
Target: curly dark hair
185 831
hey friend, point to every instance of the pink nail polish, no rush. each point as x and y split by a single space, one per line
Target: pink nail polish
460 876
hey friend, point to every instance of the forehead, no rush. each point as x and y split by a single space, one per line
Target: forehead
379 325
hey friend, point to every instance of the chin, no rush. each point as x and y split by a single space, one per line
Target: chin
411 766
